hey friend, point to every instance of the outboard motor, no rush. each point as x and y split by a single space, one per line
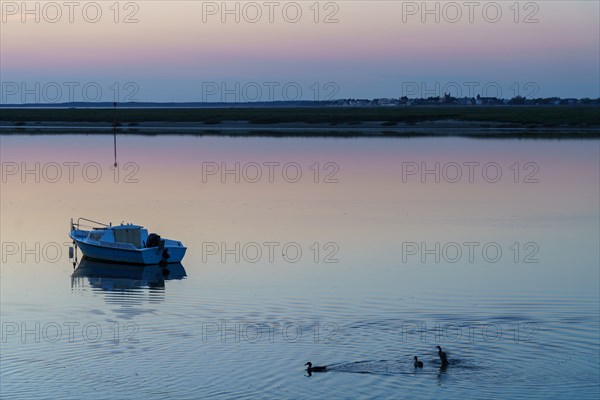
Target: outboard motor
153 240
165 252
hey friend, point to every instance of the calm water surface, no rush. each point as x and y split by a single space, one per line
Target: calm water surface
359 263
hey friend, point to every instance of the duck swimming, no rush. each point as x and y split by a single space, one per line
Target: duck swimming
418 364
312 369
442 355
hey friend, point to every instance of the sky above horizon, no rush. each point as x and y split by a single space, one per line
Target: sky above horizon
308 50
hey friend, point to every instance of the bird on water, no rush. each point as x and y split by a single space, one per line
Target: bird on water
418 364
442 355
312 369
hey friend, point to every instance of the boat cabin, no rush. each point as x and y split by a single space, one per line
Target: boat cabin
129 233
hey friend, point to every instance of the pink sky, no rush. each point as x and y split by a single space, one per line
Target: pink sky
372 49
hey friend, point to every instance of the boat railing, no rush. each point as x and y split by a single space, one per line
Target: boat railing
78 224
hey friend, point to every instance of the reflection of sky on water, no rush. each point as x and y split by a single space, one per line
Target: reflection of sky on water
370 214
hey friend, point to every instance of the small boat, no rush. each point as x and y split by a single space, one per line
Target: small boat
125 243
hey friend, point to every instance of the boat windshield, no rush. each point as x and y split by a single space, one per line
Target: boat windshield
95 236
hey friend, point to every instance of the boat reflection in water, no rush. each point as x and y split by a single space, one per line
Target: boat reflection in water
118 277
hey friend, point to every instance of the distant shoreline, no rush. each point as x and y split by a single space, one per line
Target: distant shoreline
479 121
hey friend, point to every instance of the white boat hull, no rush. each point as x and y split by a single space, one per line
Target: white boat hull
131 256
